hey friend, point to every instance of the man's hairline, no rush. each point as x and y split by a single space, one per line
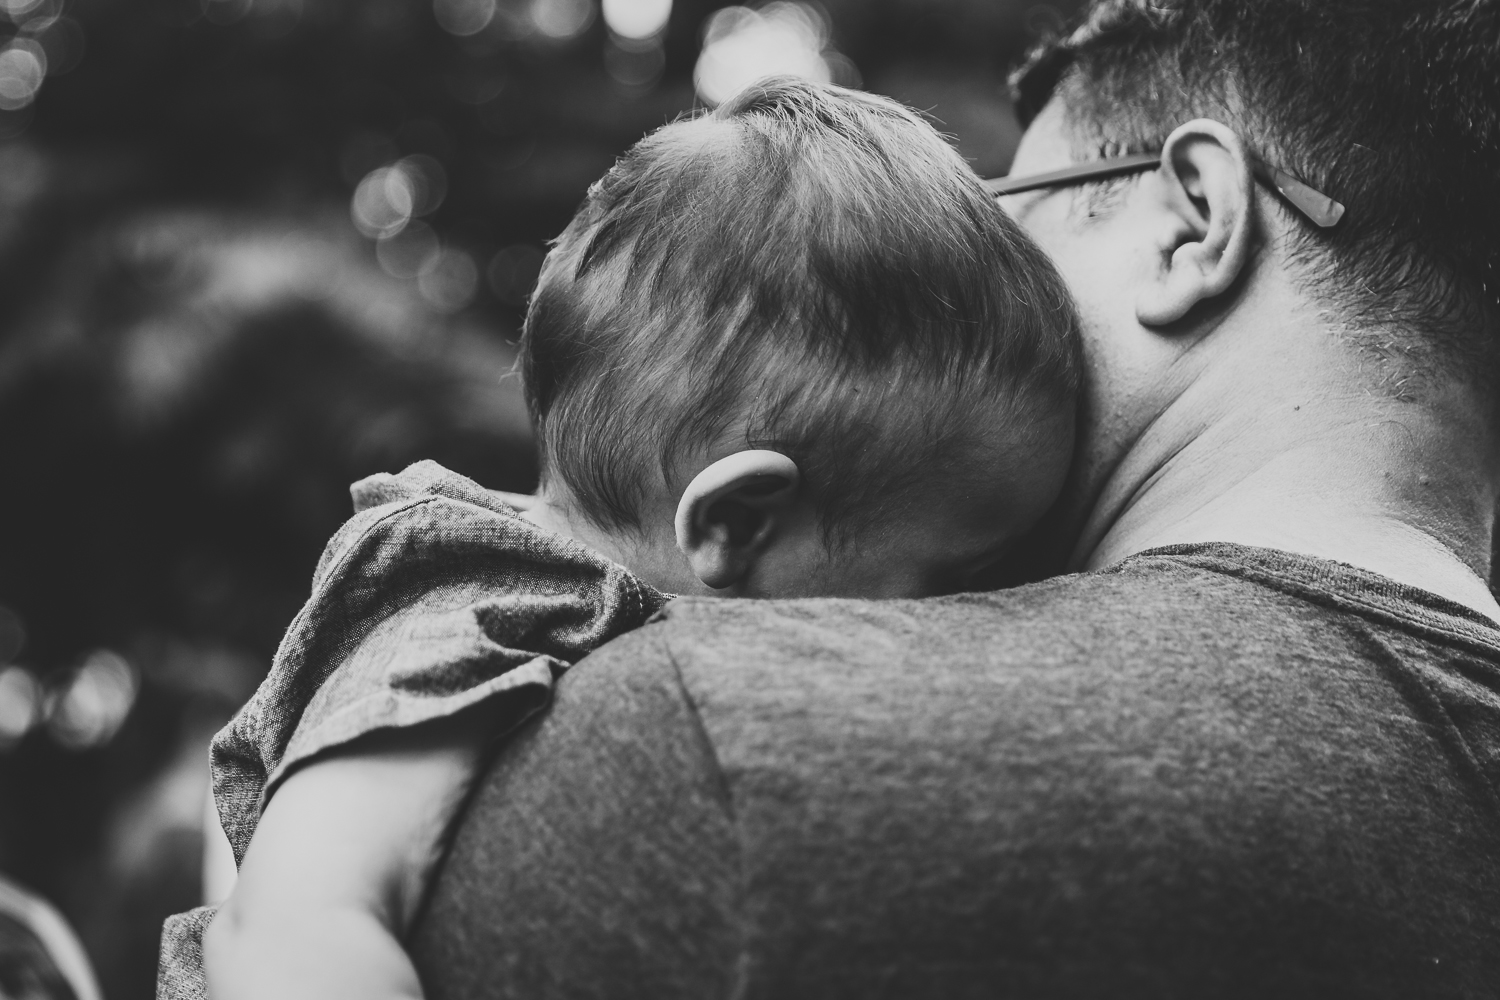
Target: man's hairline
1398 364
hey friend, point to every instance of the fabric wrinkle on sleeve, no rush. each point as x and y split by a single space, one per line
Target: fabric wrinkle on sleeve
434 598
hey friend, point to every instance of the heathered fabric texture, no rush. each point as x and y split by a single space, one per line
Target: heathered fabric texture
1209 771
435 597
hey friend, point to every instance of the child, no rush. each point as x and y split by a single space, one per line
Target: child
788 348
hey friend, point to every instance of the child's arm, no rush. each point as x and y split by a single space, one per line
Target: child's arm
337 868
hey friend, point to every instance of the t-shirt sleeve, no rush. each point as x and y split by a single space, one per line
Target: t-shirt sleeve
434 598
598 857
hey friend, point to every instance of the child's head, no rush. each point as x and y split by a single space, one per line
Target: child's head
793 347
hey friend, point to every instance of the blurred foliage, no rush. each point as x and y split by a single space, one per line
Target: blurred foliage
198 352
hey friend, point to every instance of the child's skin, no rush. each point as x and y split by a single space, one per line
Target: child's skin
337 868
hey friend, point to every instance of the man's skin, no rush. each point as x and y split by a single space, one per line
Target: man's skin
1224 400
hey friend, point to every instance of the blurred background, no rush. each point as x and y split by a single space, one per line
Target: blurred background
253 250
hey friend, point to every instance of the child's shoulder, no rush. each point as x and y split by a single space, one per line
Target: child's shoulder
434 597
429 527
398 517
423 480
429 539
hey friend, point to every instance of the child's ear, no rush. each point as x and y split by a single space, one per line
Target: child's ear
730 511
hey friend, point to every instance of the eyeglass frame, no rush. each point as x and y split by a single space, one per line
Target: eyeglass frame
1322 210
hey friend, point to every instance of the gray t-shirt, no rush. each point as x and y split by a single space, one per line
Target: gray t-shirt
1209 771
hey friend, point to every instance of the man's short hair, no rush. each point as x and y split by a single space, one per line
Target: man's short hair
806 268
1391 107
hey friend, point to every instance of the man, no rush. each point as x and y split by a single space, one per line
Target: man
1252 748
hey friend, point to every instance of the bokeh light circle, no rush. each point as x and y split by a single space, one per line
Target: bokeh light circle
91 707
23 67
562 19
449 280
741 46
463 17
428 181
20 705
384 202
18 10
637 19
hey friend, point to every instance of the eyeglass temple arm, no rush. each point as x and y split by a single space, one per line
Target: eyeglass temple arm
1314 204
1318 207
1095 170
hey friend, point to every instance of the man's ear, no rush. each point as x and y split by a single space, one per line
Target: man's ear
1209 192
730 511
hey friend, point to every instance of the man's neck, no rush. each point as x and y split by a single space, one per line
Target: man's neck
1401 489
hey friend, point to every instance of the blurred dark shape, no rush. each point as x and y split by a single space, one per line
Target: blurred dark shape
12 634
1044 21
64 42
409 252
27 972
363 152
185 411
635 63
969 102
513 273
40 957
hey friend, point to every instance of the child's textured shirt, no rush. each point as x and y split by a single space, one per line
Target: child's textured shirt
435 597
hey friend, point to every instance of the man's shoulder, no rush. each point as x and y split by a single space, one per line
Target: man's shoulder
1217 651
1082 618
1192 756
1183 604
